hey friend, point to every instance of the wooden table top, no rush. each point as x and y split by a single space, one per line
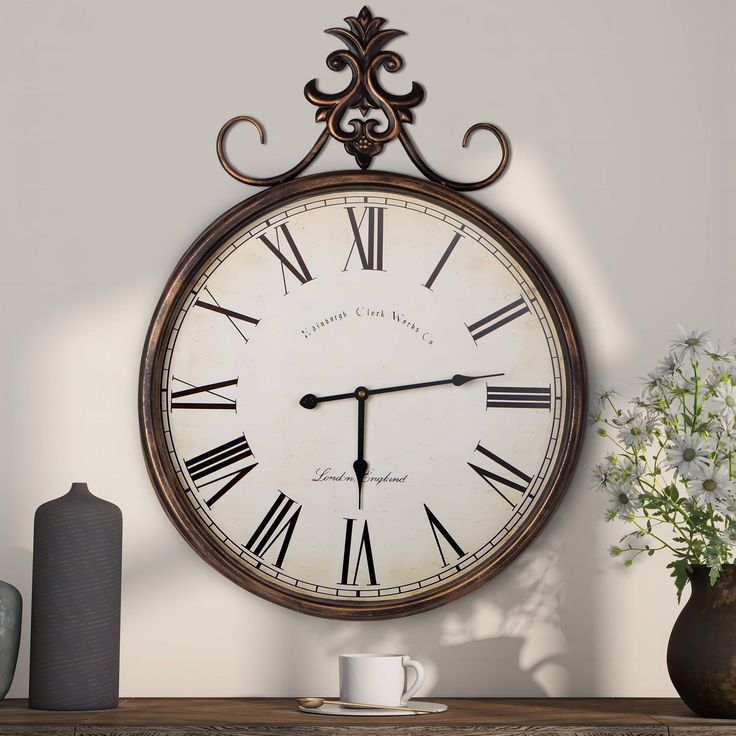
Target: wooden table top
477 716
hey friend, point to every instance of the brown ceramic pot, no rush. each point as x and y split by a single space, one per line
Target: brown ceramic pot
701 656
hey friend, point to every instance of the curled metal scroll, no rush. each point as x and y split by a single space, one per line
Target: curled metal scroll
364 137
270 180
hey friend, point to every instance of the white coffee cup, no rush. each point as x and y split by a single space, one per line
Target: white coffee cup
378 679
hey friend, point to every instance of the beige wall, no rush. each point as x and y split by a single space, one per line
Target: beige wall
621 117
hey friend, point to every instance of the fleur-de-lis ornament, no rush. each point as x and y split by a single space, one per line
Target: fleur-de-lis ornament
364 136
365 57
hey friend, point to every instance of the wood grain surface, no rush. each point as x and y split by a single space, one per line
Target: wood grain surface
280 717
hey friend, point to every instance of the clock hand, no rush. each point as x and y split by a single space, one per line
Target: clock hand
310 401
360 465
457 380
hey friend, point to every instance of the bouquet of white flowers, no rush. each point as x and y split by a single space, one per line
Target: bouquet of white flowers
672 473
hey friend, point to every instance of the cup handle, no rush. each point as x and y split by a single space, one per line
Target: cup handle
418 681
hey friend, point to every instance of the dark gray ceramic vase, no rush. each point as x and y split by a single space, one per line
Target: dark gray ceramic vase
701 655
75 609
11 610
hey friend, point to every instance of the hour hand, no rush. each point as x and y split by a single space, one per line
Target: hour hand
310 401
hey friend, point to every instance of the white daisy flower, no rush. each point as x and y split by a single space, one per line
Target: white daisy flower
671 412
731 506
623 498
631 471
721 358
667 366
635 428
726 433
726 400
683 382
602 475
689 454
654 385
710 485
728 536
691 344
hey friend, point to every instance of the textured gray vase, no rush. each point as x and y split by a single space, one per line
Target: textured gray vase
75 608
11 611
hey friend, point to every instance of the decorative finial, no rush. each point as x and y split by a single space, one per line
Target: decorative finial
364 137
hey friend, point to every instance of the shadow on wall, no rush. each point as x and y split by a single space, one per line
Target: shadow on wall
462 649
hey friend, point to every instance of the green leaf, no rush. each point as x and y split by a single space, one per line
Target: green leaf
714 574
679 569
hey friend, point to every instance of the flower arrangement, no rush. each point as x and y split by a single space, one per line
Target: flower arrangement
671 474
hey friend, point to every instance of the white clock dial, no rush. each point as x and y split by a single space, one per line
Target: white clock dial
291 422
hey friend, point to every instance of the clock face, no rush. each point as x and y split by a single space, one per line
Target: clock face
285 419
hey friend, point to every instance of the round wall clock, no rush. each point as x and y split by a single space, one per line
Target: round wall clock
362 395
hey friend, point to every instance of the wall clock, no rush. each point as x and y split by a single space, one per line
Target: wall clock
362 394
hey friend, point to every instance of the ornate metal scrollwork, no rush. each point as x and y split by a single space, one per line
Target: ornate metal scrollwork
364 137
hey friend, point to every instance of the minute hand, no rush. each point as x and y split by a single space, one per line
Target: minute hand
457 380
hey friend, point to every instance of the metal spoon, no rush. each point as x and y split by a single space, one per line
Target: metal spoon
317 702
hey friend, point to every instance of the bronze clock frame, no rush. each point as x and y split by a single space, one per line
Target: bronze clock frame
188 271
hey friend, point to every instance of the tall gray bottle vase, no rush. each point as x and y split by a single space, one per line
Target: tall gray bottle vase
11 610
75 605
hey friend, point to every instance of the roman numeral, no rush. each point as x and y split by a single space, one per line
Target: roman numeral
214 306
498 319
518 397
210 389
278 523
448 251
437 526
299 269
371 250
222 457
494 480
364 554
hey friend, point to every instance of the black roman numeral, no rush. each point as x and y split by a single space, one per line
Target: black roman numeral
214 306
370 250
518 397
279 522
299 269
219 458
437 526
448 251
494 479
499 318
364 554
209 390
